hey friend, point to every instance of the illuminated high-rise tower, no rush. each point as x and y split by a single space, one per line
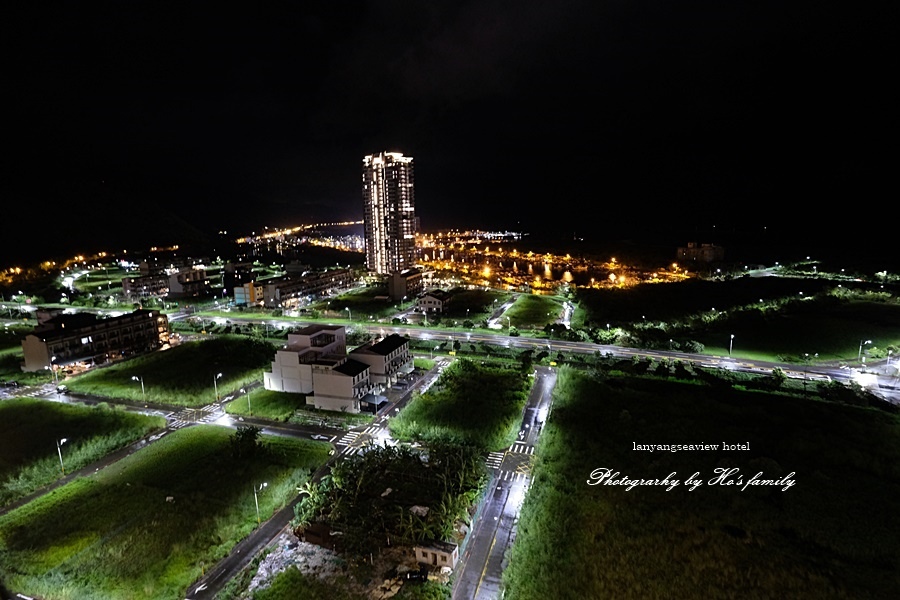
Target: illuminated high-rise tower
389 204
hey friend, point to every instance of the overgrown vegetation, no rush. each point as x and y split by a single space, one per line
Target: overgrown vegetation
470 404
147 525
391 495
817 539
30 430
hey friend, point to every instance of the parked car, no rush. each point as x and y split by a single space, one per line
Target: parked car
11 384
61 389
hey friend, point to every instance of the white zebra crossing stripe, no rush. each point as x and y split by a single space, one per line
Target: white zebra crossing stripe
348 438
494 460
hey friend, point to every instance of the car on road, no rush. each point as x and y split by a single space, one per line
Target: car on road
11 384
319 436
61 389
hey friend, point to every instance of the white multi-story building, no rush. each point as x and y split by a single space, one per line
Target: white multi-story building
315 362
387 359
292 369
389 221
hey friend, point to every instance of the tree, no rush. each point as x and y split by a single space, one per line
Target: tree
245 441
779 376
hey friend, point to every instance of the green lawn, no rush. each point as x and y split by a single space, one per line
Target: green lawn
533 311
267 404
115 536
185 375
831 330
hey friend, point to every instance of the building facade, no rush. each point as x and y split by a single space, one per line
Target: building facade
388 359
389 221
434 301
85 338
315 362
185 282
405 284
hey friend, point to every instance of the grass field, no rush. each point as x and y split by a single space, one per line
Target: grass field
470 404
115 536
185 375
831 330
267 404
834 534
533 311
30 429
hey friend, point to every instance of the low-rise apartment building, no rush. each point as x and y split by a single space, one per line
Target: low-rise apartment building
86 338
315 362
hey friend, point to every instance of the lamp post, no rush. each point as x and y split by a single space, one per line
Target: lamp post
216 384
59 444
55 370
508 326
730 344
262 486
861 344
249 408
141 379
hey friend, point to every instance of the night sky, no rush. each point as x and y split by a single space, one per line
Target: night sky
134 122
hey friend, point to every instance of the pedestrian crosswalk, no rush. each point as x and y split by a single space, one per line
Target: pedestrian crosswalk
521 449
187 416
494 460
512 476
348 438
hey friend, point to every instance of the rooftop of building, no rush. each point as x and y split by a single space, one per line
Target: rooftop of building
385 346
351 367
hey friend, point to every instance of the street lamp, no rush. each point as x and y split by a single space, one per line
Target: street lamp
262 486
730 344
508 326
861 344
216 385
249 408
141 379
349 314
59 444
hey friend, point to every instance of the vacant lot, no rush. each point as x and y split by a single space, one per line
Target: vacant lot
532 311
470 404
186 375
146 526
824 537
30 430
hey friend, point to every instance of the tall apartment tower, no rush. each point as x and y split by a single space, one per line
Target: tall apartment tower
390 220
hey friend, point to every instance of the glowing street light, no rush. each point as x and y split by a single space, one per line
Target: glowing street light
861 344
262 486
141 379
349 314
730 344
59 444
216 384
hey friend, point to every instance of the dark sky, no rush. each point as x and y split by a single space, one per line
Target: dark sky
603 118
